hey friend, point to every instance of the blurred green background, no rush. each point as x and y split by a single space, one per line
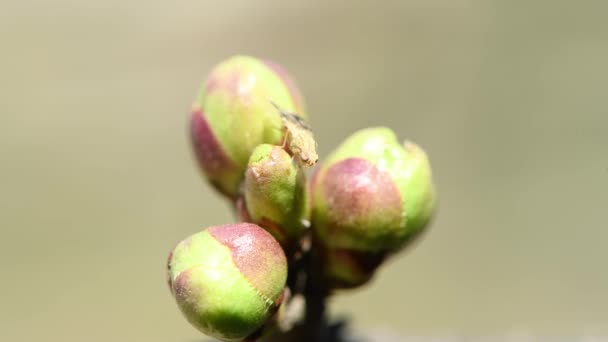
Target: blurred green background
98 181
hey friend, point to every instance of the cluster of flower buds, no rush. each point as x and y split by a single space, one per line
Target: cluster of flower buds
366 201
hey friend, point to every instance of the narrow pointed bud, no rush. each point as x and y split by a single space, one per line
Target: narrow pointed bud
370 198
233 113
228 280
276 194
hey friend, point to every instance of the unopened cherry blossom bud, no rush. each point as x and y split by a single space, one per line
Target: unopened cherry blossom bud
276 195
228 280
234 112
371 197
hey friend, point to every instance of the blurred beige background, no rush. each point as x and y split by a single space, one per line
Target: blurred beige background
508 97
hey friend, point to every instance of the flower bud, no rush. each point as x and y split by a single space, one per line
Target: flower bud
228 280
347 268
233 113
370 197
276 197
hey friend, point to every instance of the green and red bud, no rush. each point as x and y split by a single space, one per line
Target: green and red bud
276 195
370 197
233 113
228 280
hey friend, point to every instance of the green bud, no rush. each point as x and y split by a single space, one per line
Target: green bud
370 197
228 280
372 193
233 113
276 196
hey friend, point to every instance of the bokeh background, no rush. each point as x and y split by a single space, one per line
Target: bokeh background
98 180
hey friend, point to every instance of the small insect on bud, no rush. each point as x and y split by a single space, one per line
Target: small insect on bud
276 194
232 115
298 138
228 280
370 198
